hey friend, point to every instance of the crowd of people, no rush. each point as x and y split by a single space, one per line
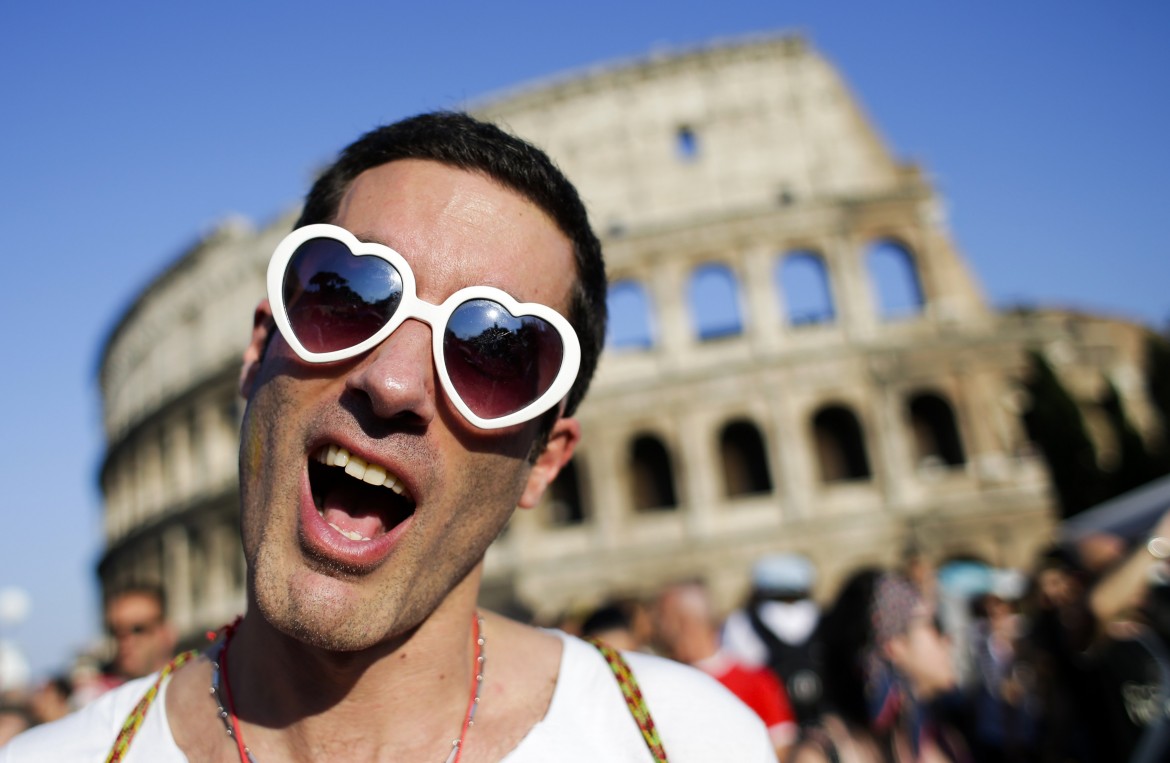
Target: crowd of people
431 325
1069 664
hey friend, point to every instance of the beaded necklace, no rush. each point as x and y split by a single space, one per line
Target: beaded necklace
231 724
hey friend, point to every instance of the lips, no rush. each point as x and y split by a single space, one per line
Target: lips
357 509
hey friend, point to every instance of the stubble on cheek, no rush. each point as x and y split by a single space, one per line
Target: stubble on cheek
269 477
469 495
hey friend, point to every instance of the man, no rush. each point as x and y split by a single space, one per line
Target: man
778 627
144 641
684 627
143 638
392 427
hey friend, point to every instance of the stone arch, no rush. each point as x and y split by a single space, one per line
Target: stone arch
840 445
802 278
651 475
565 502
630 317
686 143
744 458
935 431
895 279
713 295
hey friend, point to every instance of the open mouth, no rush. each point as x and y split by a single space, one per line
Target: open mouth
362 501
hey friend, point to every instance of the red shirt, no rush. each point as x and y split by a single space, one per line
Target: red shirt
759 689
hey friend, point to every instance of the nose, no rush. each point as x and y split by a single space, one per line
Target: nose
398 378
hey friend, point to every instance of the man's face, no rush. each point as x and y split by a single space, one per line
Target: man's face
342 564
143 641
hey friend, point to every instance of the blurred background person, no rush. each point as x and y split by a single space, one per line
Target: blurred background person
51 700
1059 629
14 718
621 623
1129 660
144 641
685 630
885 663
1004 702
921 570
777 628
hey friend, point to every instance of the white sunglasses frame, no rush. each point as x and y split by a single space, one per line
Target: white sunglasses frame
435 316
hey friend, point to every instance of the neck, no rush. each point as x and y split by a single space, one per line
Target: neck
408 694
696 646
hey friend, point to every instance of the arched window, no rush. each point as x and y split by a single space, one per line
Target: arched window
745 460
564 497
686 144
840 445
629 317
936 437
651 475
714 299
803 280
894 277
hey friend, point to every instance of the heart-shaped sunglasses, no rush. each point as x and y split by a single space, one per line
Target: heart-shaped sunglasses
500 361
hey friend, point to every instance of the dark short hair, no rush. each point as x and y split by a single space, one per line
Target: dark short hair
607 617
459 140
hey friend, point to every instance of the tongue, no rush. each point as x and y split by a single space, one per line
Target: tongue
350 507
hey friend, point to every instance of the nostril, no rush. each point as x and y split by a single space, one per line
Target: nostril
396 379
380 421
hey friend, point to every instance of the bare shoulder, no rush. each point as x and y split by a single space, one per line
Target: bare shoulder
525 656
191 711
508 639
521 665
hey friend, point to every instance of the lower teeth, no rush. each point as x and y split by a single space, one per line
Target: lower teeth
351 534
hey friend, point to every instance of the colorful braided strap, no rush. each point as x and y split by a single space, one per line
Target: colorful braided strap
634 700
134 720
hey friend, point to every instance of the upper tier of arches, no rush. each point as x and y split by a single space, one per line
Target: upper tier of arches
806 288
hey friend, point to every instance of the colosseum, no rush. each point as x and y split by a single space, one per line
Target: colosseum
799 357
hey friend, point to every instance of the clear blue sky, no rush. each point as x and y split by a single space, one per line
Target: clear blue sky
129 128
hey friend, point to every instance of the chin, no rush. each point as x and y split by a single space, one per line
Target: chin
316 609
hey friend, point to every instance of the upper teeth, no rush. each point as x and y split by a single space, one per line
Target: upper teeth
357 468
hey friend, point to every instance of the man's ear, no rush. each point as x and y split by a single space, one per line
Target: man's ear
262 328
562 441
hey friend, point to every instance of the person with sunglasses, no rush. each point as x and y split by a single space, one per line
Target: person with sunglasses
431 326
142 638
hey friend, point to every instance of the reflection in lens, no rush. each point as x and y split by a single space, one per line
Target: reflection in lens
499 363
335 299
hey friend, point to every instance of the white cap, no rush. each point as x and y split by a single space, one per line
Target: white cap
1009 585
783 574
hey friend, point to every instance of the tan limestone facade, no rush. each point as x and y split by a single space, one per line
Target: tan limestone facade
799 358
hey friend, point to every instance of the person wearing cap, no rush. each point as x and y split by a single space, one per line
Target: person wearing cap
1005 707
777 628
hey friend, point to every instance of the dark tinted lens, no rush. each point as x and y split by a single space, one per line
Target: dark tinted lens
335 299
499 363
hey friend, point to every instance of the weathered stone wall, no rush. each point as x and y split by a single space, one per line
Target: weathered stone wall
721 162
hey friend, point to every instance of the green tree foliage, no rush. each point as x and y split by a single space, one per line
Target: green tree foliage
1158 388
1136 465
1056 425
